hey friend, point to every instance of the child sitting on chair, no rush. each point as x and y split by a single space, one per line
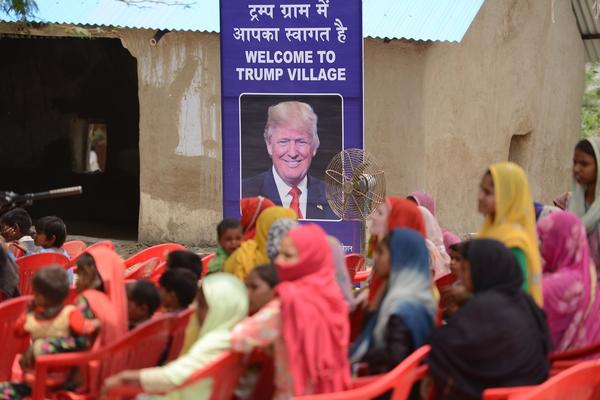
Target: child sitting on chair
49 317
143 300
50 235
15 227
177 289
229 233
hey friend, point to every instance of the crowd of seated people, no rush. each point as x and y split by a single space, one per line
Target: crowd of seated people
524 286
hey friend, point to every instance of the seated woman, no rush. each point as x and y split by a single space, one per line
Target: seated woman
222 302
505 202
498 338
307 322
569 283
404 317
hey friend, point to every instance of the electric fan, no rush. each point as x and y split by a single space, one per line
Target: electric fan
354 184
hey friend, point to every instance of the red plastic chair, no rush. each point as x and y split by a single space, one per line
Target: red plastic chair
178 325
265 385
28 266
157 272
142 270
580 382
445 280
401 380
74 247
10 311
354 263
205 261
140 348
225 373
101 243
160 250
567 359
361 276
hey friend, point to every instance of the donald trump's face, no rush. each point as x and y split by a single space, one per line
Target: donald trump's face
292 152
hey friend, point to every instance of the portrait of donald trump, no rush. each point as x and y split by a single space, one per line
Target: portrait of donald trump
291 141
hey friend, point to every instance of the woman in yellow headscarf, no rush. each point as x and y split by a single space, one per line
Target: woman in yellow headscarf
253 252
505 201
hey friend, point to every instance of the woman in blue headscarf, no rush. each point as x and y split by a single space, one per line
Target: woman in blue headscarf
404 316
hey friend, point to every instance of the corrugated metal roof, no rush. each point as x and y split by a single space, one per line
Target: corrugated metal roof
420 20
198 15
439 20
589 26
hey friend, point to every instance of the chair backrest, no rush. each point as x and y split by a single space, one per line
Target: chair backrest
445 280
225 372
160 250
143 269
205 260
28 266
101 243
10 311
139 348
401 380
74 247
576 354
157 272
178 325
354 263
578 382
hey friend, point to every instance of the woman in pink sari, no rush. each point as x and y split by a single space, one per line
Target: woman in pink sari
569 284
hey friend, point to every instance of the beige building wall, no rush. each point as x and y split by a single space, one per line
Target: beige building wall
180 135
516 72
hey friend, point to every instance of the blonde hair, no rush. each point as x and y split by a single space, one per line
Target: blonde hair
294 115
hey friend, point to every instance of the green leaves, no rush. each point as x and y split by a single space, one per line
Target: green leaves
22 9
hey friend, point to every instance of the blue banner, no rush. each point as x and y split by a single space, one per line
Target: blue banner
292 90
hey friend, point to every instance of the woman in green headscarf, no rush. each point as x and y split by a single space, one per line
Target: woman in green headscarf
222 302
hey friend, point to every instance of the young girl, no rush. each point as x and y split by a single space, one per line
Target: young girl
505 201
52 326
585 199
261 282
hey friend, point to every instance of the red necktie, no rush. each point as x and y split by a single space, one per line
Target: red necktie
295 203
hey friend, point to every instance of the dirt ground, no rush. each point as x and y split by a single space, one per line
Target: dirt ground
127 248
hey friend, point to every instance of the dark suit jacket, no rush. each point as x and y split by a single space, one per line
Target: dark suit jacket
264 184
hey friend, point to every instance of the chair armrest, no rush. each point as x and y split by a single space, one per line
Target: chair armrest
504 393
119 392
364 380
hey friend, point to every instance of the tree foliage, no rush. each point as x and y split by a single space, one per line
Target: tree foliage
590 104
21 9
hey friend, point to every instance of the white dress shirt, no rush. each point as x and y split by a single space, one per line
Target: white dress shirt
284 190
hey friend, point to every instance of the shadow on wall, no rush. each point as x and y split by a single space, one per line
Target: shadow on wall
48 84
519 148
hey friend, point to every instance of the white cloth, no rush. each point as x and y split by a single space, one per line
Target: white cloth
93 162
284 190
